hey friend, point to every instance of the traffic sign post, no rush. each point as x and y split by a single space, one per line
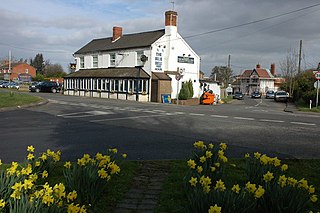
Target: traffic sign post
317 76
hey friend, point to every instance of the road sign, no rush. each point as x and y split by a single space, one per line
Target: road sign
317 75
315 84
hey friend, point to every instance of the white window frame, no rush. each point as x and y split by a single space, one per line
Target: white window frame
112 59
95 60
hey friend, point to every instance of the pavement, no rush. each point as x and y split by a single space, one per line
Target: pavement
145 190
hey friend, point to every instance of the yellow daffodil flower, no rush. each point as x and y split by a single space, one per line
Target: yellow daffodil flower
282 180
2 203
211 145
193 181
214 209
220 186
284 167
30 149
314 198
202 159
124 156
67 165
30 156
192 164
268 176
247 155
208 154
223 146
251 187
45 174
72 196
259 192
199 169
236 188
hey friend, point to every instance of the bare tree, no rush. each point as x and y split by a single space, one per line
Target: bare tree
222 74
289 68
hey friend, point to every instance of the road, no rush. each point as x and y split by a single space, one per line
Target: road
149 131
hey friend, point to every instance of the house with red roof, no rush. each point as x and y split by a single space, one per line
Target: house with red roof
259 79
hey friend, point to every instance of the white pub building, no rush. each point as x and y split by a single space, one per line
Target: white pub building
141 66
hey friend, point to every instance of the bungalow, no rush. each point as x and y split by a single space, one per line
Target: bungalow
141 66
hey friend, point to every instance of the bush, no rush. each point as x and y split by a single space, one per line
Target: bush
184 93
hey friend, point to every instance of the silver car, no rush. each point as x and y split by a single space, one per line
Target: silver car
270 94
281 96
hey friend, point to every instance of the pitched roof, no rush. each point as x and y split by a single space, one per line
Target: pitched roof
160 76
144 39
262 73
122 72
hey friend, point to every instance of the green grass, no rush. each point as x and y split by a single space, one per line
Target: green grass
313 109
12 99
227 99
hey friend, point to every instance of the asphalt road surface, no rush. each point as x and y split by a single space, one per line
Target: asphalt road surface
149 131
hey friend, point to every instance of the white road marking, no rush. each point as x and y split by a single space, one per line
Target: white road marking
242 118
301 123
196 114
157 110
220 116
179 113
274 121
84 114
125 118
150 111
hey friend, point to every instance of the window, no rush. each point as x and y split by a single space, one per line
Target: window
95 61
112 59
26 70
81 62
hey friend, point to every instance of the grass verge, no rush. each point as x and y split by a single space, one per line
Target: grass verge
12 99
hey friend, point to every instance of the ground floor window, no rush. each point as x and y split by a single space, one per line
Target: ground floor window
108 85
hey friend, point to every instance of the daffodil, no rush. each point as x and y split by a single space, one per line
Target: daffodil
0 162
30 156
268 176
67 165
192 164
284 167
208 154
223 146
102 173
30 149
236 188
45 174
251 187
220 186
314 198
72 196
124 156
202 159
214 209
199 169
2 203
247 155
282 180
259 192
193 181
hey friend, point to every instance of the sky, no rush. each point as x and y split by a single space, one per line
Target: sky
250 31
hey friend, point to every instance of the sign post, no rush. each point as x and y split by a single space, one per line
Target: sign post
317 75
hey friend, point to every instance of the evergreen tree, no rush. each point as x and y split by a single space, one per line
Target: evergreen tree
38 63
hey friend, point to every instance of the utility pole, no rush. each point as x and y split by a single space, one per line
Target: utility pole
229 59
300 49
9 71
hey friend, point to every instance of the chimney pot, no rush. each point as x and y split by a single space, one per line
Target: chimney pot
258 66
171 18
117 33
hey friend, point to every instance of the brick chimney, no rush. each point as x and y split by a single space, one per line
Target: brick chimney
117 33
273 69
258 66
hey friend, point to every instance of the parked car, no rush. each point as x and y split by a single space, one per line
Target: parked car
5 84
13 85
255 94
238 95
281 96
45 86
270 94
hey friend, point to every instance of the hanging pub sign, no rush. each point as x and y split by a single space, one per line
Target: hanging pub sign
184 59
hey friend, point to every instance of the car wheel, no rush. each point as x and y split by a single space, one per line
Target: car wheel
37 90
54 90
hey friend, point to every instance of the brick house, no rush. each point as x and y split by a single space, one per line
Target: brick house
20 71
259 79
